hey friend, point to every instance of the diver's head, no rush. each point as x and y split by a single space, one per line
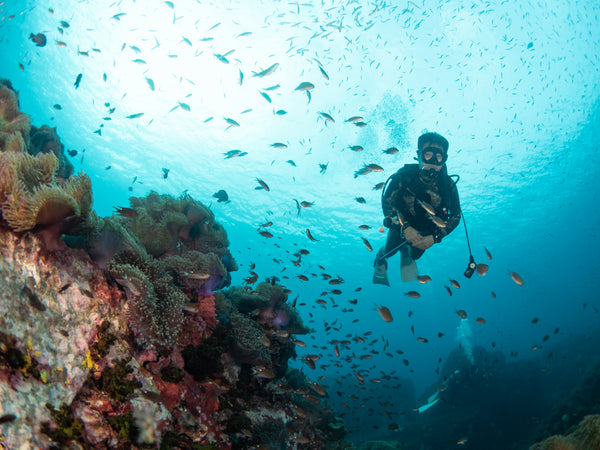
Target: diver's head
432 151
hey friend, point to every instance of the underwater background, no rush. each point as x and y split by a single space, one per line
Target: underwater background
157 95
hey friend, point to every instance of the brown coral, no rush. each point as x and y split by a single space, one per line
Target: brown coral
29 196
12 121
586 436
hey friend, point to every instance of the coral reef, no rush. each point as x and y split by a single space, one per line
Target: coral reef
31 195
119 339
586 436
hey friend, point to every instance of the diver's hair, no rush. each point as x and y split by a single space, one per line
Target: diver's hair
433 138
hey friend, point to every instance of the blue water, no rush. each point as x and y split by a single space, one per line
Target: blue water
514 86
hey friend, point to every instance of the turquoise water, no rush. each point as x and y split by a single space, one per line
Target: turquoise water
513 86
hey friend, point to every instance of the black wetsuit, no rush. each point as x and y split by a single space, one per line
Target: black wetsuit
401 196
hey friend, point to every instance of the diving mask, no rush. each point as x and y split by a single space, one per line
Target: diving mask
433 156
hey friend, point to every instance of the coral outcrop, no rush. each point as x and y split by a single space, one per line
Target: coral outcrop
36 190
125 337
586 436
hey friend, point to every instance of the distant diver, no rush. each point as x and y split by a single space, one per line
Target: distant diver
420 205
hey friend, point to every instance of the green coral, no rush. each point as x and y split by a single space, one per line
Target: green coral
115 381
203 360
171 374
124 426
67 428
100 348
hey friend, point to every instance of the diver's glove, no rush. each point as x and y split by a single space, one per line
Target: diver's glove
391 223
424 242
411 235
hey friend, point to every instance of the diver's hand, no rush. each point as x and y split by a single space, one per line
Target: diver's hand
411 235
391 222
424 242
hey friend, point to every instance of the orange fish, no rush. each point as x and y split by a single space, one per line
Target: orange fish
367 244
423 279
412 294
265 234
455 284
480 320
516 278
310 236
448 290
422 339
385 313
462 313
263 185
482 269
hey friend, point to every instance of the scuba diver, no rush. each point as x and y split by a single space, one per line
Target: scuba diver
421 206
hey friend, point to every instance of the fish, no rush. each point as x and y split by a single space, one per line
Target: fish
272 88
7 418
305 86
423 279
462 441
310 236
265 96
487 252
118 16
323 167
279 145
384 312
354 119
360 200
437 221
223 58
360 124
493 294
362 171
78 80
280 112
241 76
72 153
364 227
455 284
138 61
184 106
307 204
375 167
427 207
125 212
263 185
21 67
324 73
150 83
231 122
327 117
65 24
268 71
412 294
422 339
39 39
480 320
461 313
57 107
61 44
516 278
379 186
234 153
221 196
367 244
356 148
266 234
481 269
134 116
165 173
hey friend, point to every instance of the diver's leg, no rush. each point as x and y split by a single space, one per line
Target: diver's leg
394 238
408 267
